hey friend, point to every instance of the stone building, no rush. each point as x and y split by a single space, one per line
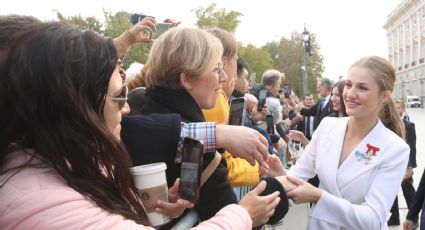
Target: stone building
405 27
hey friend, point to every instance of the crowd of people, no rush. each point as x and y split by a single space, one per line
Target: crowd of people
73 126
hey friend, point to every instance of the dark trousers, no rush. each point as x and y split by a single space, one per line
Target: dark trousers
409 193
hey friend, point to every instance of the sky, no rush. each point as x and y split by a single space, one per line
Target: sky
346 30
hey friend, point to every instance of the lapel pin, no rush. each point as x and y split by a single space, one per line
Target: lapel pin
367 156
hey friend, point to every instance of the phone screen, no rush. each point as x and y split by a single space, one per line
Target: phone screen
261 100
237 111
270 123
161 28
191 167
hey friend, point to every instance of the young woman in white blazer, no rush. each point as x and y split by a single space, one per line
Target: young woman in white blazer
360 159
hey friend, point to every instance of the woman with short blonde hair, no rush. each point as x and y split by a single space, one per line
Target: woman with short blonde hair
189 51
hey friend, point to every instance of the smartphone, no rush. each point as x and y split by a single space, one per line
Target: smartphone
135 18
191 168
253 77
261 100
270 123
287 91
161 28
237 111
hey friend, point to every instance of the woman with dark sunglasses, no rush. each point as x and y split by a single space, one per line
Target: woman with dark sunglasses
62 165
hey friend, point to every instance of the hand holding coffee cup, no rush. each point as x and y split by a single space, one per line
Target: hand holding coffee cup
151 182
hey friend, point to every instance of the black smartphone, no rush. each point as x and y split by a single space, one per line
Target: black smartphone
135 18
261 100
270 123
237 111
191 168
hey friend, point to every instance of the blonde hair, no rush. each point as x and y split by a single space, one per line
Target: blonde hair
384 75
181 50
227 40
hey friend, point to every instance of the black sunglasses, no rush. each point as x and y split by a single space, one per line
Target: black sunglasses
121 99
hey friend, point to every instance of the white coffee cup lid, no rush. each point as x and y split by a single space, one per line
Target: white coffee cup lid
148 169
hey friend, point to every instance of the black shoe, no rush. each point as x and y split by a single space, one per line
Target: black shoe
393 222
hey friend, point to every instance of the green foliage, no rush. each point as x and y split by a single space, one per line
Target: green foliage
212 17
285 55
114 26
84 23
289 57
259 59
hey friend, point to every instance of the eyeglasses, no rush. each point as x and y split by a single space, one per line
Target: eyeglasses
121 99
220 71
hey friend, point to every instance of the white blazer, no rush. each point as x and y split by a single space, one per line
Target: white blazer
356 195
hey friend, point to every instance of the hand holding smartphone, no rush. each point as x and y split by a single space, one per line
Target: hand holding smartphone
237 111
261 100
191 168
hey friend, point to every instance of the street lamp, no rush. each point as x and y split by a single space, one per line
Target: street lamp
307 50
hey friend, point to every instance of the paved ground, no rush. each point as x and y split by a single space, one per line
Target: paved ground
298 214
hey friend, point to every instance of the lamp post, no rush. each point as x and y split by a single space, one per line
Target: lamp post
307 50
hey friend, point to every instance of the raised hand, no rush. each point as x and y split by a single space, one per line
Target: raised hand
243 142
260 208
147 23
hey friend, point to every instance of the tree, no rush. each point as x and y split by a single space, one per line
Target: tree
84 23
258 59
118 23
288 57
211 17
114 26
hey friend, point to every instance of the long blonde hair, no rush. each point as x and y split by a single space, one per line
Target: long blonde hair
384 75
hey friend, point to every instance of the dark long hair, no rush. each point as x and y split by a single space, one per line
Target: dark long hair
53 82
340 86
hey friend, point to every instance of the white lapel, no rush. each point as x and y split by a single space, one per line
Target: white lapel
352 167
330 151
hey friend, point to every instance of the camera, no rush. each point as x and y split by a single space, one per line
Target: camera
282 128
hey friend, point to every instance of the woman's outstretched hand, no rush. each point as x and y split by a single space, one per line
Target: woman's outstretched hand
304 192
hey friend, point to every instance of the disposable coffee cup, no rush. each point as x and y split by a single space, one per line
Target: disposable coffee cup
151 182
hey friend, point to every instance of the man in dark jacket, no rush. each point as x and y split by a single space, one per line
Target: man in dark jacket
407 183
323 106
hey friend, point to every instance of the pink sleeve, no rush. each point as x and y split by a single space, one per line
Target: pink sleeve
231 217
62 208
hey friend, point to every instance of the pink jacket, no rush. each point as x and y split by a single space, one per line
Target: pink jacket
39 198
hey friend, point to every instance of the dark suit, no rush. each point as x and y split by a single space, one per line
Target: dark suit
407 185
318 113
418 203
302 126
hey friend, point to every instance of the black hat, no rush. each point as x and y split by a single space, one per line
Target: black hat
281 209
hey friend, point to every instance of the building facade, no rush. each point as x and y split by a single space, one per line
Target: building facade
405 28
